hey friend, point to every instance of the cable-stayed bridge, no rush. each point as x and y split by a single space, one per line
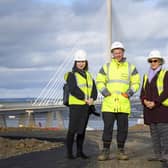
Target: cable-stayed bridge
49 100
52 93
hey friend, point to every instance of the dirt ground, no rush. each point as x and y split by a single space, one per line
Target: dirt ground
138 147
52 154
13 147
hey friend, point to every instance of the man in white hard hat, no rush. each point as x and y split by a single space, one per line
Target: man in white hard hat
117 81
154 97
117 45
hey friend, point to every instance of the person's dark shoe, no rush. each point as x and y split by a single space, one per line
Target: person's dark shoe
82 155
153 159
71 156
162 160
164 164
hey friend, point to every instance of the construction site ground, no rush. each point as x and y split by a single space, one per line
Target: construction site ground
45 148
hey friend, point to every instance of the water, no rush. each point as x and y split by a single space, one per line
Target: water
94 122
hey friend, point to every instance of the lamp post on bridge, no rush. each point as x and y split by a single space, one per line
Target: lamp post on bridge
109 28
27 119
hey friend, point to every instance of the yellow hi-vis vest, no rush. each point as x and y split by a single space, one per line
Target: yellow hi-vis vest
117 79
159 84
85 84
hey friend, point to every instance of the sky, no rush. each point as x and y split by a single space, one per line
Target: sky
39 37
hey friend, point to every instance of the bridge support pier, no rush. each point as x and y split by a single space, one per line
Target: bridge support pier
60 121
31 119
3 121
27 119
49 119
22 120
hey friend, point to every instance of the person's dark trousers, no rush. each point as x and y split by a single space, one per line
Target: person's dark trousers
108 119
69 143
122 128
79 143
156 139
164 141
159 135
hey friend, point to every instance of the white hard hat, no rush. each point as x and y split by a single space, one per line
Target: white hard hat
117 44
80 55
155 54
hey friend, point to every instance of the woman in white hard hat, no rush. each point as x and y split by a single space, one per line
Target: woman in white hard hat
83 92
154 97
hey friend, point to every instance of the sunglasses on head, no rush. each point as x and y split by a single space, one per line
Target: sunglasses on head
150 61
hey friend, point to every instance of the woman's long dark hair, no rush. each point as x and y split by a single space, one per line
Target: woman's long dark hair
85 68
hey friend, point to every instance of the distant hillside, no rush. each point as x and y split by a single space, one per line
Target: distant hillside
13 100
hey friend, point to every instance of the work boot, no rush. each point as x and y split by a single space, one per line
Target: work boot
121 155
104 155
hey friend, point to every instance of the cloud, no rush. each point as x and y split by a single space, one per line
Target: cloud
162 4
37 36
84 8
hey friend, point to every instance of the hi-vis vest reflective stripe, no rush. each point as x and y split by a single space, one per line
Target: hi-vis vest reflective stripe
159 84
115 77
85 84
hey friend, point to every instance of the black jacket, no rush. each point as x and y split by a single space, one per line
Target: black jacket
75 90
